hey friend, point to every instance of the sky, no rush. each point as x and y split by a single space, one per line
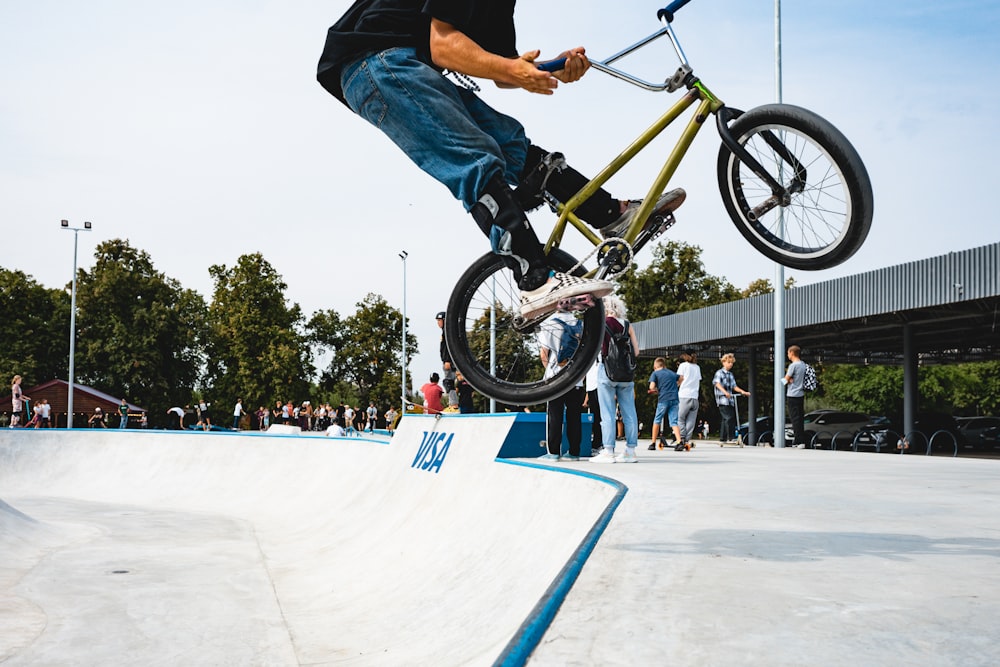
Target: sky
197 131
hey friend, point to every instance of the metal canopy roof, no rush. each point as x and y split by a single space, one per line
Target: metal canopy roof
951 302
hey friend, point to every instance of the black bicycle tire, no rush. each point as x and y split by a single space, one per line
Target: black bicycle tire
841 153
516 393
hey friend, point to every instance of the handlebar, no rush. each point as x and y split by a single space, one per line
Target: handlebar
553 65
667 13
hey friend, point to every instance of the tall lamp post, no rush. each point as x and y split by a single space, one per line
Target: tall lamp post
779 271
403 255
72 321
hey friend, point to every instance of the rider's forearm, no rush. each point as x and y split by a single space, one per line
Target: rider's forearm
453 50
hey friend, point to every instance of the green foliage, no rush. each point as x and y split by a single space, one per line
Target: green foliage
365 351
675 281
517 357
960 389
34 329
256 349
138 332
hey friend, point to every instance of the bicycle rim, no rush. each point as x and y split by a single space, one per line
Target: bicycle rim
830 211
495 358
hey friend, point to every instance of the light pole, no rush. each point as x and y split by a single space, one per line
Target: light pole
779 271
72 320
403 255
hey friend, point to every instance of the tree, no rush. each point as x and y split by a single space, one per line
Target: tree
365 349
517 357
763 286
139 332
675 281
34 329
257 349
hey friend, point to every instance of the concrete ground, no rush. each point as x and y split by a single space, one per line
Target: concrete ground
210 549
762 556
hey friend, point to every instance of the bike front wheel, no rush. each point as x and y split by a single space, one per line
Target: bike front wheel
826 213
500 360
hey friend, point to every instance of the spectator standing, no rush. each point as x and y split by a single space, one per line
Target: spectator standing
17 399
687 393
204 418
237 413
432 393
447 367
611 392
795 395
372 412
349 419
567 407
663 382
465 394
123 414
390 419
725 387
44 413
593 403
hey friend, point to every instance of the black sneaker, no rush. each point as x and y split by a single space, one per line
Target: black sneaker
667 203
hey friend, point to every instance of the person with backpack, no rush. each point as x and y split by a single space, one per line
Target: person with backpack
616 381
795 395
558 339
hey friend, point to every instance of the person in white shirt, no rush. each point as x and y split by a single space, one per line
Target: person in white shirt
179 413
237 413
688 391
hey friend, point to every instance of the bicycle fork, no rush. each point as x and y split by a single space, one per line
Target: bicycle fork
780 195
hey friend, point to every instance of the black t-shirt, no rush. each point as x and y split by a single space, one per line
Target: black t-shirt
376 25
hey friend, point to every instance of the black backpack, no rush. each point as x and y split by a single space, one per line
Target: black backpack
619 362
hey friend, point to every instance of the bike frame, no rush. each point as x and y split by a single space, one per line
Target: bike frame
705 103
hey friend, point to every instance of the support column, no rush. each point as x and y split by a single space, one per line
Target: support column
752 401
911 376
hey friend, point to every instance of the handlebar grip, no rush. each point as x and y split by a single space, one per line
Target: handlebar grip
667 13
552 65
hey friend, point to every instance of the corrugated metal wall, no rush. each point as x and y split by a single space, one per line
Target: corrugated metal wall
952 278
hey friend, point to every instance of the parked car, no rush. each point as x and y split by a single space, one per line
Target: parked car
972 427
824 425
990 438
926 423
764 435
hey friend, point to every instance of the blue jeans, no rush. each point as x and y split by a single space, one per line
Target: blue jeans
607 393
445 129
667 407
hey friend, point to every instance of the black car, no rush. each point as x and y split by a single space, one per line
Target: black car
972 427
764 434
990 438
822 426
936 428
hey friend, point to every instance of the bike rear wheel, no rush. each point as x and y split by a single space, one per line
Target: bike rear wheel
830 208
487 288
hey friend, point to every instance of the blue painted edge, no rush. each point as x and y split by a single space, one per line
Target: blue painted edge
533 628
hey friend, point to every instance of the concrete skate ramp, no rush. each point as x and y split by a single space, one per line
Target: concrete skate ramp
197 548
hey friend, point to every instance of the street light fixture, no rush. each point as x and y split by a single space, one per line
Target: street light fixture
72 320
403 255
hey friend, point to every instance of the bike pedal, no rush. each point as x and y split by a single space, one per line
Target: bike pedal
581 302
